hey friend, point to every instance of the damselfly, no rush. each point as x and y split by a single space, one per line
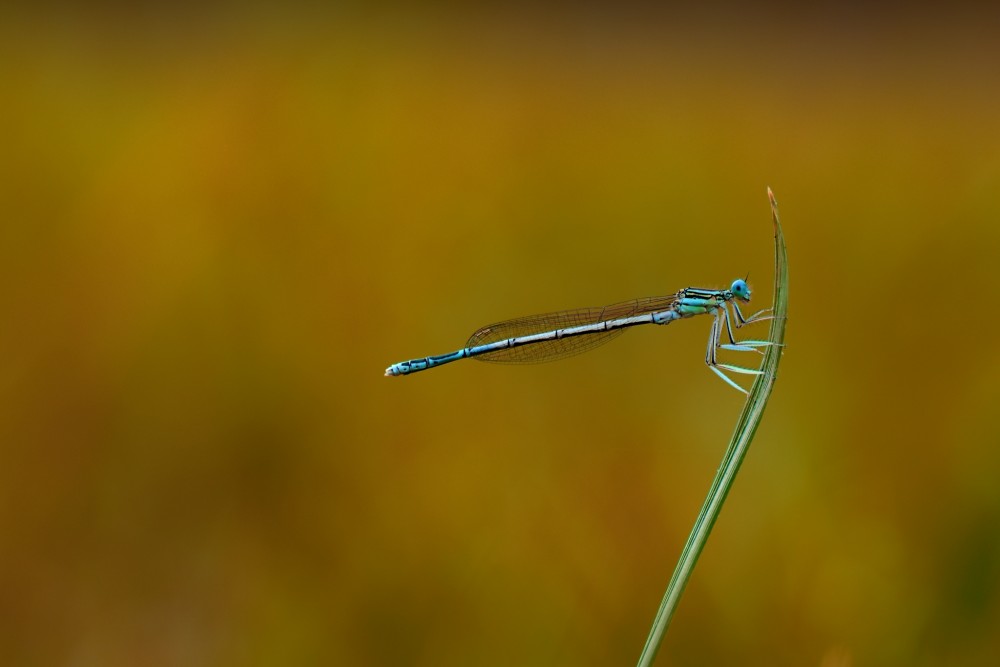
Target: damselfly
562 334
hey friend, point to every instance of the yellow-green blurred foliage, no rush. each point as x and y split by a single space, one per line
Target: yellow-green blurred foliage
218 228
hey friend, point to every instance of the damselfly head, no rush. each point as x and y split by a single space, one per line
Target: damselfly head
740 290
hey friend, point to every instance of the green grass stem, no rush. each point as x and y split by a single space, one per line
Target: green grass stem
743 434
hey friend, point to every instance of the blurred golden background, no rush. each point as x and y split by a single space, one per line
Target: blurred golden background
219 228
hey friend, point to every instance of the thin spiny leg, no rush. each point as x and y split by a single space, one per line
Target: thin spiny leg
741 345
729 325
712 338
759 316
736 345
713 343
731 367
733 344
756 317
728 381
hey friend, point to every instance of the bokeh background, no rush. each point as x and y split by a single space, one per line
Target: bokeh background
220 226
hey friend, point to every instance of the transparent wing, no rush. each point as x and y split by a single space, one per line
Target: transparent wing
551 350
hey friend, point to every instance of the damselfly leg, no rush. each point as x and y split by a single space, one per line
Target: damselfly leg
723 318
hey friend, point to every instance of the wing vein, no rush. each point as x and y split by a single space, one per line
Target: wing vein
560 348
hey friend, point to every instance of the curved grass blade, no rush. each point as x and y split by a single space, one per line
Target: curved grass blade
746 426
